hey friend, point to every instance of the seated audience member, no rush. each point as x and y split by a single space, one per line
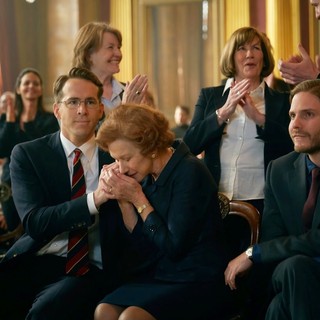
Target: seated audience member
241 125
57 195
168 199
98 48
299 68
290 235
25 120
182 120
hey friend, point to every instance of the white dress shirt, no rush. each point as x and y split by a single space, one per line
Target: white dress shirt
242 154
117 88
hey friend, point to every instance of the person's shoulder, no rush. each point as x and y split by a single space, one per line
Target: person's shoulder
213 89
286 160
189 162
277 93
36 144
47 115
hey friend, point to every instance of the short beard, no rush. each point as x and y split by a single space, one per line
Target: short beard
309 150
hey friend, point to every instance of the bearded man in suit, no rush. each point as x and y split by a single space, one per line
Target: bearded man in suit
287 242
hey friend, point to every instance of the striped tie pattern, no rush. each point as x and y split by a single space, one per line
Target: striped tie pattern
310 204
78 247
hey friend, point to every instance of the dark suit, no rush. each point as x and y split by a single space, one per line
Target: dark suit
296 279
42 191
10 135
204 133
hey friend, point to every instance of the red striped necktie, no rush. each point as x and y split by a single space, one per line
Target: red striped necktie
310 204
78 246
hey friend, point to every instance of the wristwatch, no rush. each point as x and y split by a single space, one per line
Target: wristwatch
249 252
141 208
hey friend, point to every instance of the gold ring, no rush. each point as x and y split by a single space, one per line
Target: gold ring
138 92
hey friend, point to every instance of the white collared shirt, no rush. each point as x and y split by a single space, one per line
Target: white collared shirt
242 154
90 162
115 101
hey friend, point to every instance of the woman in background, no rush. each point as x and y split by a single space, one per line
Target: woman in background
243 124
98 48
23 121
168 200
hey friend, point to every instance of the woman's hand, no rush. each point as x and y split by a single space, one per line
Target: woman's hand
135 90
103 192
252 112
237 93
122 187
10 113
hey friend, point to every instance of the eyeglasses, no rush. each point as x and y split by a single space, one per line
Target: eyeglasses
74 103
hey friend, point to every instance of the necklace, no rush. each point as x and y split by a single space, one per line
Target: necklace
156 175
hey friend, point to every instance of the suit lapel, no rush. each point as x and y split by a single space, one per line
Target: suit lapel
59 164
297 187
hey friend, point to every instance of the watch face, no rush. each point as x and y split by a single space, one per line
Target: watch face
249 252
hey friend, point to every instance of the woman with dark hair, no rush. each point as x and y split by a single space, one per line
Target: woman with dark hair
242 125
168 203
24 121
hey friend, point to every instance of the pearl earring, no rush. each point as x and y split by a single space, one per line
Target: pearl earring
153 155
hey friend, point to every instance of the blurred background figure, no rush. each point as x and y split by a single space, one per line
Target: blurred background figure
98 48
23 121
182 120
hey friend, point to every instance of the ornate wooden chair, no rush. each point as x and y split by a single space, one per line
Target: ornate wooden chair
7 238
236 215
241 222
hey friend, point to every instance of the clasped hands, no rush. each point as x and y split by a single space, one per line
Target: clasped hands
115 185
240 94
135 90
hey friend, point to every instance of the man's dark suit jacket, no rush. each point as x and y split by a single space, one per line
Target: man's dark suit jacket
282 232
204 133
44 206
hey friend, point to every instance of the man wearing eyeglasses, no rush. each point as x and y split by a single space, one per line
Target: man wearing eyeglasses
34 280
301 67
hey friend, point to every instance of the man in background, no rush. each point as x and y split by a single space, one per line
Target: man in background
182 120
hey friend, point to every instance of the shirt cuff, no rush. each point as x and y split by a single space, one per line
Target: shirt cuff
256 254
92 208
